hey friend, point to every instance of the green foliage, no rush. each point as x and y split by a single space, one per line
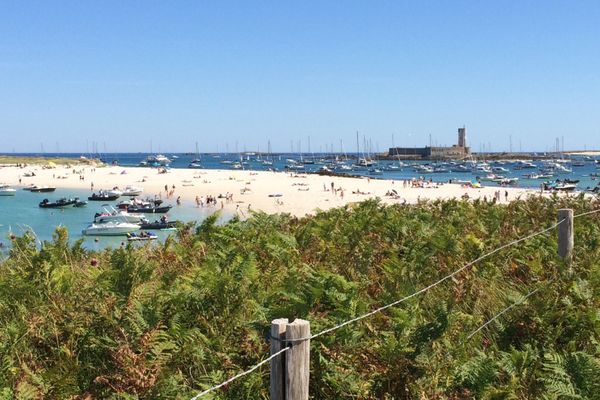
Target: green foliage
166 321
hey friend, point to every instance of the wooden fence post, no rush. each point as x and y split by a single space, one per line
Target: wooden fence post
565 234
297 360
277 388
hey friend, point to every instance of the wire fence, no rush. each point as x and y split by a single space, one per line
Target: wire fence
412 295
495 317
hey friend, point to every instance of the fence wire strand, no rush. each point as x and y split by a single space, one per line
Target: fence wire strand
518 302
427 288
587 213
423 290
241 374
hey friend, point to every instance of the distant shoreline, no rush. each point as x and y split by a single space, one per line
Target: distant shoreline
9 160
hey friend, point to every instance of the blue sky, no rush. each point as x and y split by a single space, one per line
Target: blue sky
127 73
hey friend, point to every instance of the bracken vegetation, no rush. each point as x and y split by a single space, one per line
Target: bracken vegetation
167 321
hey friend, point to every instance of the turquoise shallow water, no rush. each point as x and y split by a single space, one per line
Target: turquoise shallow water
20 213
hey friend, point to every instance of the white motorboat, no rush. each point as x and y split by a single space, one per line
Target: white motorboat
112 192
6 190
491 178
110 229
158 160
119 216
460 168
132 191
499 170
481 169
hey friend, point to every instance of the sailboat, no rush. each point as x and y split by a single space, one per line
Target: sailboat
361 162
312 159
196 162
269 160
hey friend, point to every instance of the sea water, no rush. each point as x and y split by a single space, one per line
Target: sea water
21 213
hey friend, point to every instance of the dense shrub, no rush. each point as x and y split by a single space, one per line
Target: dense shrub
169 320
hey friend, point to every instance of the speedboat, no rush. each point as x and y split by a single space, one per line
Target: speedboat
125 204
481 168
104 196
110 229
294 166
149 209
562 187
423 168
195 165
80 203
140 237
113 192
118 216
132 191
460 168
524 165
159 225
156 161
491 178
6 190
499 169
41 189
60 203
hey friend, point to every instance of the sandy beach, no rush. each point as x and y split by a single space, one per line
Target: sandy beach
271 192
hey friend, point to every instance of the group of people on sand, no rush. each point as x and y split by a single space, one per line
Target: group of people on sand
417 183
334 190
498 195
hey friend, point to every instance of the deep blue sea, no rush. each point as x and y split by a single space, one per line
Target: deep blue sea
21 212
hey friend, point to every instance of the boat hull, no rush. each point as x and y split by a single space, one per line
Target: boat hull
7 192
110 229
42 190
150 210
159 225
103 198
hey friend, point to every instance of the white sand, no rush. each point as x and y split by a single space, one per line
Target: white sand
300 194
